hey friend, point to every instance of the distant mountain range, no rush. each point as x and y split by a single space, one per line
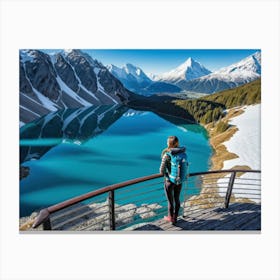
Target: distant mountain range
134 79
190 76
68 79
131 76
73 79
242 72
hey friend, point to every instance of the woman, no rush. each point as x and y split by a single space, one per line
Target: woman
173 167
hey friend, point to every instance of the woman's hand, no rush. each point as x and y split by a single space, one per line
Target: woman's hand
178 180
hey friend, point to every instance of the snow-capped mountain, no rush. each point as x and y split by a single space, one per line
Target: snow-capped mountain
242 72
136 80
67 79
131 76
189 70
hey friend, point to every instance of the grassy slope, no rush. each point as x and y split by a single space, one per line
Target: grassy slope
217 124
247 94
243 95
210 108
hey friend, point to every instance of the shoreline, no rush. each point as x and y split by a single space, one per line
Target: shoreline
217 140
242 136
238 120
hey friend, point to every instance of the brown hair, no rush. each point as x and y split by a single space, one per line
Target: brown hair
172 142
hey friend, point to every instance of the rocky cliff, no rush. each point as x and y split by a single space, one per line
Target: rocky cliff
66 79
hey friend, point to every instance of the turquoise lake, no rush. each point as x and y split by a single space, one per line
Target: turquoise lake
72 152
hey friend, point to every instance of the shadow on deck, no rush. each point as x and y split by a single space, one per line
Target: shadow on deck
238 216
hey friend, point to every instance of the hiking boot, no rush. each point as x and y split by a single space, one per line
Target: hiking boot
168 219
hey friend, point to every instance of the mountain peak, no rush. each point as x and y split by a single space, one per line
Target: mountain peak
236 74
72 52
188 63
188 70
70 79
67 50
133 77
131 69
250 64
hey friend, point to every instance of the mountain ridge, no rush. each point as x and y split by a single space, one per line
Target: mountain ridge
132 77
67 79
234 75
136 80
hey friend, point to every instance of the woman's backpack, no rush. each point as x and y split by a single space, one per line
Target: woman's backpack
179 163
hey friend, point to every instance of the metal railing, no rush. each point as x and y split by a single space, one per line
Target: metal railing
135 202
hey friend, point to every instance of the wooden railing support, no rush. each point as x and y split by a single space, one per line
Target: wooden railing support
229 189
111 204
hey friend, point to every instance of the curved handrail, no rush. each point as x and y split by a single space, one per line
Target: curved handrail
44 213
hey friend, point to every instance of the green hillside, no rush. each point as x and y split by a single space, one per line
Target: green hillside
247 94
211 108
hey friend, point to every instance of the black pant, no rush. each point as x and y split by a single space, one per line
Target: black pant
172 192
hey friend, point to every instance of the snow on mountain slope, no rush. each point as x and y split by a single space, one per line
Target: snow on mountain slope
131 76
135 79
189 70
152 76
251 65
242 72
66 79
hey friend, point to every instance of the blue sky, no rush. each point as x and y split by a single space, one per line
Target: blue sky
158 61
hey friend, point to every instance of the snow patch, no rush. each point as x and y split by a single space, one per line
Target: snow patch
100 87
246 141
27 55
46 102
67 51
246 144
71 93
78 79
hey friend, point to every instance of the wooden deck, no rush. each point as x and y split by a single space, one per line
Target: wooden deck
237 217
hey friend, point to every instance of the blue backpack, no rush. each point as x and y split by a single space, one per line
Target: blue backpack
179 164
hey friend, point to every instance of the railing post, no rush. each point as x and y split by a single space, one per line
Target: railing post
111 200
43 218
229 189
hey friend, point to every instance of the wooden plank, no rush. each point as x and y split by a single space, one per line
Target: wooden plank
254 224
235 221
237 217
207 224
